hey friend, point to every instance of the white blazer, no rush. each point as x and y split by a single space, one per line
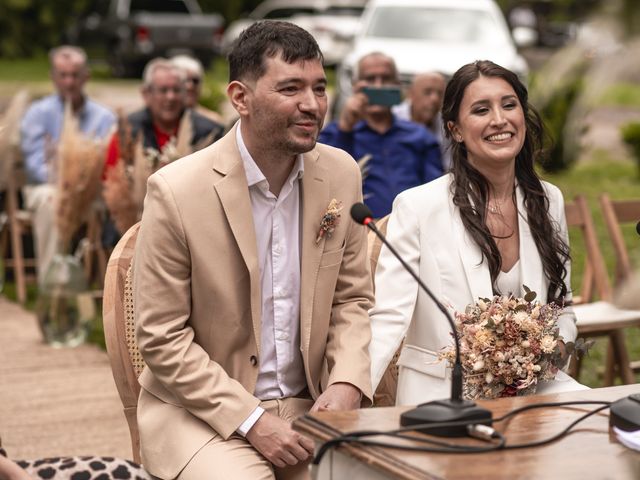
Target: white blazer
426 229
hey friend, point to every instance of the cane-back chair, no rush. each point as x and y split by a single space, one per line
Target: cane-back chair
118 317
385 394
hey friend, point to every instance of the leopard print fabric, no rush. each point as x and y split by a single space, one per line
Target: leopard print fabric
83 468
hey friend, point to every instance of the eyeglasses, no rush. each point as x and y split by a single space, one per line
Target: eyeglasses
166 90
194 80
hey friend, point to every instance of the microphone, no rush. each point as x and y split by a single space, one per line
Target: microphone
456 408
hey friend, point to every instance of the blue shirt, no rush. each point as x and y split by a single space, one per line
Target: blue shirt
42 125
405 156
403 111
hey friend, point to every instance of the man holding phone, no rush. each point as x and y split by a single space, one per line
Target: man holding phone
401 154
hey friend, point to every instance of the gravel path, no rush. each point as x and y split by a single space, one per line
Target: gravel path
55 402
603 131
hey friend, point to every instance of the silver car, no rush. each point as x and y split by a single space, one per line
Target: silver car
333 23
432 35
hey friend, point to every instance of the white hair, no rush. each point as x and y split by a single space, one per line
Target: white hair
160 63
188 64
67 51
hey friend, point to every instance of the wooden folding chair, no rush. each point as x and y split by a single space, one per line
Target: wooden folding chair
617 213
601 317
12 178
118 317
19 224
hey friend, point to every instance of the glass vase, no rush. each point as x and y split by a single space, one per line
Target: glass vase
65 305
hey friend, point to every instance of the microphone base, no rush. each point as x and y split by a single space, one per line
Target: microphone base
439 411
625 413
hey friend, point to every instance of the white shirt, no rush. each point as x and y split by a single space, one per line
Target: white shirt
510 283
277 226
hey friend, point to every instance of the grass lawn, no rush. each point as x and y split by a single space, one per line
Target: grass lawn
622 95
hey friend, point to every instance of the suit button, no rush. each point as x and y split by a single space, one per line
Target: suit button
253 360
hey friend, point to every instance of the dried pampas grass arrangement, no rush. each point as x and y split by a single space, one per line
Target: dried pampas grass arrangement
126 183
117 196
10 136
79 165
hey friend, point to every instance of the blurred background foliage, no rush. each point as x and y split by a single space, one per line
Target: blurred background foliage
48 20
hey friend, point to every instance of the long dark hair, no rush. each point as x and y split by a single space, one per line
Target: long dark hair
470 188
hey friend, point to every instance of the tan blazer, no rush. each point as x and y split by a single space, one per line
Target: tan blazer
198 299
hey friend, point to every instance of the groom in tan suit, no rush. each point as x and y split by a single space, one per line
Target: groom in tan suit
251 283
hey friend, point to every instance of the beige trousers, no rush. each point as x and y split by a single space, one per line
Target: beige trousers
40 200
236 458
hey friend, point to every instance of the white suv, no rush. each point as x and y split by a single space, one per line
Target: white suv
432 35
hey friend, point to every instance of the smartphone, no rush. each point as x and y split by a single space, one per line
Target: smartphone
386 96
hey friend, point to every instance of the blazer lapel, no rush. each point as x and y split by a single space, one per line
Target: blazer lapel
530 261
232 189
315 198
476 271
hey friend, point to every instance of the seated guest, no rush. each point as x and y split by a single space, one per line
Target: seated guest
157 127
40 131
193 86
251 288
401 153
488 227
164 93
423 105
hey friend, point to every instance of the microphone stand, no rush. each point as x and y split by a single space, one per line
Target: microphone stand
454 409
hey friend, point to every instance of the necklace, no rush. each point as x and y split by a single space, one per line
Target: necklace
495 206
502 229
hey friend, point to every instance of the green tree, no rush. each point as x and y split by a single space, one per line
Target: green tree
630 17
230 9
29 27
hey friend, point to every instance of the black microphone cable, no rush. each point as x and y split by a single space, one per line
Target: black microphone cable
475 431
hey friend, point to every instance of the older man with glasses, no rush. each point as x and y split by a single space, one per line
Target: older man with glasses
158 125
165 96
193 86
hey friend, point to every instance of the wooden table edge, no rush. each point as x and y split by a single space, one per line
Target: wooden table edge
372 456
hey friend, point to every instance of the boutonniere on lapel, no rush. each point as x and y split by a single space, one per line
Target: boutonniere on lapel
330 220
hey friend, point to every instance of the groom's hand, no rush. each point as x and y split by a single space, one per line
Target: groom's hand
339 396
278 442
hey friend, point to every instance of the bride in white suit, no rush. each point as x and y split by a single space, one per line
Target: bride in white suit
489 226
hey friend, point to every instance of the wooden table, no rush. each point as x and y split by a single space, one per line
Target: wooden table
589 452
